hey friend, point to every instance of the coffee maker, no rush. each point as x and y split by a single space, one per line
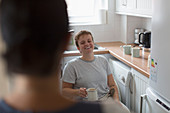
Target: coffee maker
146 39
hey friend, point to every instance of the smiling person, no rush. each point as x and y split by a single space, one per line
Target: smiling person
88 71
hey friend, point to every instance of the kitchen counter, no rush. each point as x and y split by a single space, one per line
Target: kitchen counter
139 64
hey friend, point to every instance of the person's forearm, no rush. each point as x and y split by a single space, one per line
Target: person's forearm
70 93
112 84
116 94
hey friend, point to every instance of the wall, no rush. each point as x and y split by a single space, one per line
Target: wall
128 25
106 32
118 27
136 22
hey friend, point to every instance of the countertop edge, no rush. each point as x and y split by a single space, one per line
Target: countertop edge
129 64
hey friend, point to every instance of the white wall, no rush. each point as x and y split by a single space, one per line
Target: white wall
136 22
106 32
128 25
118 28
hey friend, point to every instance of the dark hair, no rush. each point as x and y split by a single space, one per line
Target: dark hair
82 32
33 31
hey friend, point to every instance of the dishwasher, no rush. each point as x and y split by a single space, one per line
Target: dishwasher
124 80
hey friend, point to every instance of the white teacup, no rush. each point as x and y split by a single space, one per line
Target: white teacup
136 52
127 49
92 94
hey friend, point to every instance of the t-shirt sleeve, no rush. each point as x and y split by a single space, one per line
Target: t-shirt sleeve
69 74
107 66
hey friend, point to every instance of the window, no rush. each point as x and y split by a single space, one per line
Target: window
84 12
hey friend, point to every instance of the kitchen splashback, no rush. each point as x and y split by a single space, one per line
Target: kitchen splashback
136 22
121 29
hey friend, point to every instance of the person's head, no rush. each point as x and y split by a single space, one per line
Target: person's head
81 33
35 33
84 41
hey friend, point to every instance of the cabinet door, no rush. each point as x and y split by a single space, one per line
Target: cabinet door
140 86
131 6
144 7
125 5
121 5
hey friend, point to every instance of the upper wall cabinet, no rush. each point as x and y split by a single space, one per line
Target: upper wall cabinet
142 8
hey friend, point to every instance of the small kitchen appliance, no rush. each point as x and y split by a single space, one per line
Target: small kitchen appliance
137 32
146 39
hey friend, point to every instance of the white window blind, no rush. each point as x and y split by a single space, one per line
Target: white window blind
84 12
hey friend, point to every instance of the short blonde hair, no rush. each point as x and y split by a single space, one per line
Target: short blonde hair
83 32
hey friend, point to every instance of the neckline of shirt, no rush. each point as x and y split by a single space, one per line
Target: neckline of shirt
88 61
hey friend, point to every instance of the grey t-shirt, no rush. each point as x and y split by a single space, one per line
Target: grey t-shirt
88 74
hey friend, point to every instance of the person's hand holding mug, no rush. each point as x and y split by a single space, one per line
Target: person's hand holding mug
82 92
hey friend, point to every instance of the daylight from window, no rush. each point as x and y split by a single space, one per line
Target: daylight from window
80 7
85 12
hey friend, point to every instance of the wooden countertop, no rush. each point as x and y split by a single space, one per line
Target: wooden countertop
139 64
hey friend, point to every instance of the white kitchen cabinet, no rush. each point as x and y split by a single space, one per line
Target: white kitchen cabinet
125 5
142 8
140 86
121 5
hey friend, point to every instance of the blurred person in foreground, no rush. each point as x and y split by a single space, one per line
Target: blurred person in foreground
88 71
36 34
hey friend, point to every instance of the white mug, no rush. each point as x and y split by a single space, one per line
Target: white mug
92 94
127 49
136 52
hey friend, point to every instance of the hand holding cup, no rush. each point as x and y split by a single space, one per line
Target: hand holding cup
82 92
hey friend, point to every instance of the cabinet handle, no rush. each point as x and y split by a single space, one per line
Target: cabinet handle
142 97
124 4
